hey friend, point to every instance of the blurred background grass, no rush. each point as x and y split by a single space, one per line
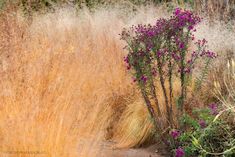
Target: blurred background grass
220 9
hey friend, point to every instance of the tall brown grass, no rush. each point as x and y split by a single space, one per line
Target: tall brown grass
224 87
63 86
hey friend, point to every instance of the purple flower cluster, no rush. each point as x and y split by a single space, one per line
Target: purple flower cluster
162 41
201 43
175 134
213 109
202 124
144 78
161 52
208 54
176 56
145 32
179 152
185 18
126 60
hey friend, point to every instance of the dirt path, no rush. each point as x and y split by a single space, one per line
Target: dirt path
151 151
129 153
105 149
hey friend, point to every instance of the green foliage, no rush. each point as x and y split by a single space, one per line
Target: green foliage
203 75
2 3
189 121
206 135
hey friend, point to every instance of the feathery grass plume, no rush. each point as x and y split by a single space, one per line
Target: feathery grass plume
134 128
227 94
57 74
55 80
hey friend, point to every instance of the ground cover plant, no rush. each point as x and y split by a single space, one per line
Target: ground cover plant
207 134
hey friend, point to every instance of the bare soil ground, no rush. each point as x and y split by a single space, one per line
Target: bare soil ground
151 151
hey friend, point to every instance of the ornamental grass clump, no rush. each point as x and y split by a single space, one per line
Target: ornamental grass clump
159 54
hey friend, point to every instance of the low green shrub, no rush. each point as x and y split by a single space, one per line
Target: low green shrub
207 134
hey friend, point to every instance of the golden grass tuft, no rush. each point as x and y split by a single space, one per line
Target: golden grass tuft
55 80
134 126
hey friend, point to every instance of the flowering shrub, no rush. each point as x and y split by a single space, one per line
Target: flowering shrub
160 52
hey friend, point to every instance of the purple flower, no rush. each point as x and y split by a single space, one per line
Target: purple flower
175 134
204 41
154 72
179 152
190 27
187 70
175 56
210 54
159 53
177 11
134 79
144 79
189 61
213 108
126 59
202 124
194 54
181 46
